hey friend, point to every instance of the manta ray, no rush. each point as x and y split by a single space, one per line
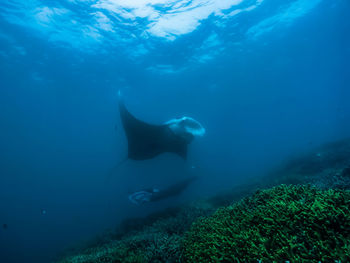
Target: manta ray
146 141
153 194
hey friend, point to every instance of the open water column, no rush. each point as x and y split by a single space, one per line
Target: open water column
174 131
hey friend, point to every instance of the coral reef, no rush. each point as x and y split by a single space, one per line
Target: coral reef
332 179
327 167
155 239
335 154
307 222
294 223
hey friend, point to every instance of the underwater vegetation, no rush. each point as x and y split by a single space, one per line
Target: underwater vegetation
156 239
303 215
294 223
327 166
284 223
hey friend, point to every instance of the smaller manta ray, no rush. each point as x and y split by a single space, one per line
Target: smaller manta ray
146 141
154 194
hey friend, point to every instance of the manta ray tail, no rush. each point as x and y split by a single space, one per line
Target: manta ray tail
114 170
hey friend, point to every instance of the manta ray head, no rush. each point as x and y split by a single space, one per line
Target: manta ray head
186 128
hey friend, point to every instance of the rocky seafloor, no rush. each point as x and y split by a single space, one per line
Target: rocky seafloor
298 213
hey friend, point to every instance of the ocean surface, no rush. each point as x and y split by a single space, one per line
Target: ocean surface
267 80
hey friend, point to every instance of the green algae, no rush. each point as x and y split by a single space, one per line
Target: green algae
158 239
285 223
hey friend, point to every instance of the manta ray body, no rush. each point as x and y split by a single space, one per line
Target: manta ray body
146 141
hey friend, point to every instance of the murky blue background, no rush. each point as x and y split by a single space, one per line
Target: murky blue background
267 79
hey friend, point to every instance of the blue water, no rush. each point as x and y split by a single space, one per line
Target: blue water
267 79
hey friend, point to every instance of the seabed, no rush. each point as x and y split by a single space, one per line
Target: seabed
298 213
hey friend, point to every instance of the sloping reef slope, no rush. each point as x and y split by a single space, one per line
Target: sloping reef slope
301 213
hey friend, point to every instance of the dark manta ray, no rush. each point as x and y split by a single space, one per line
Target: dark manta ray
154 194
146 141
